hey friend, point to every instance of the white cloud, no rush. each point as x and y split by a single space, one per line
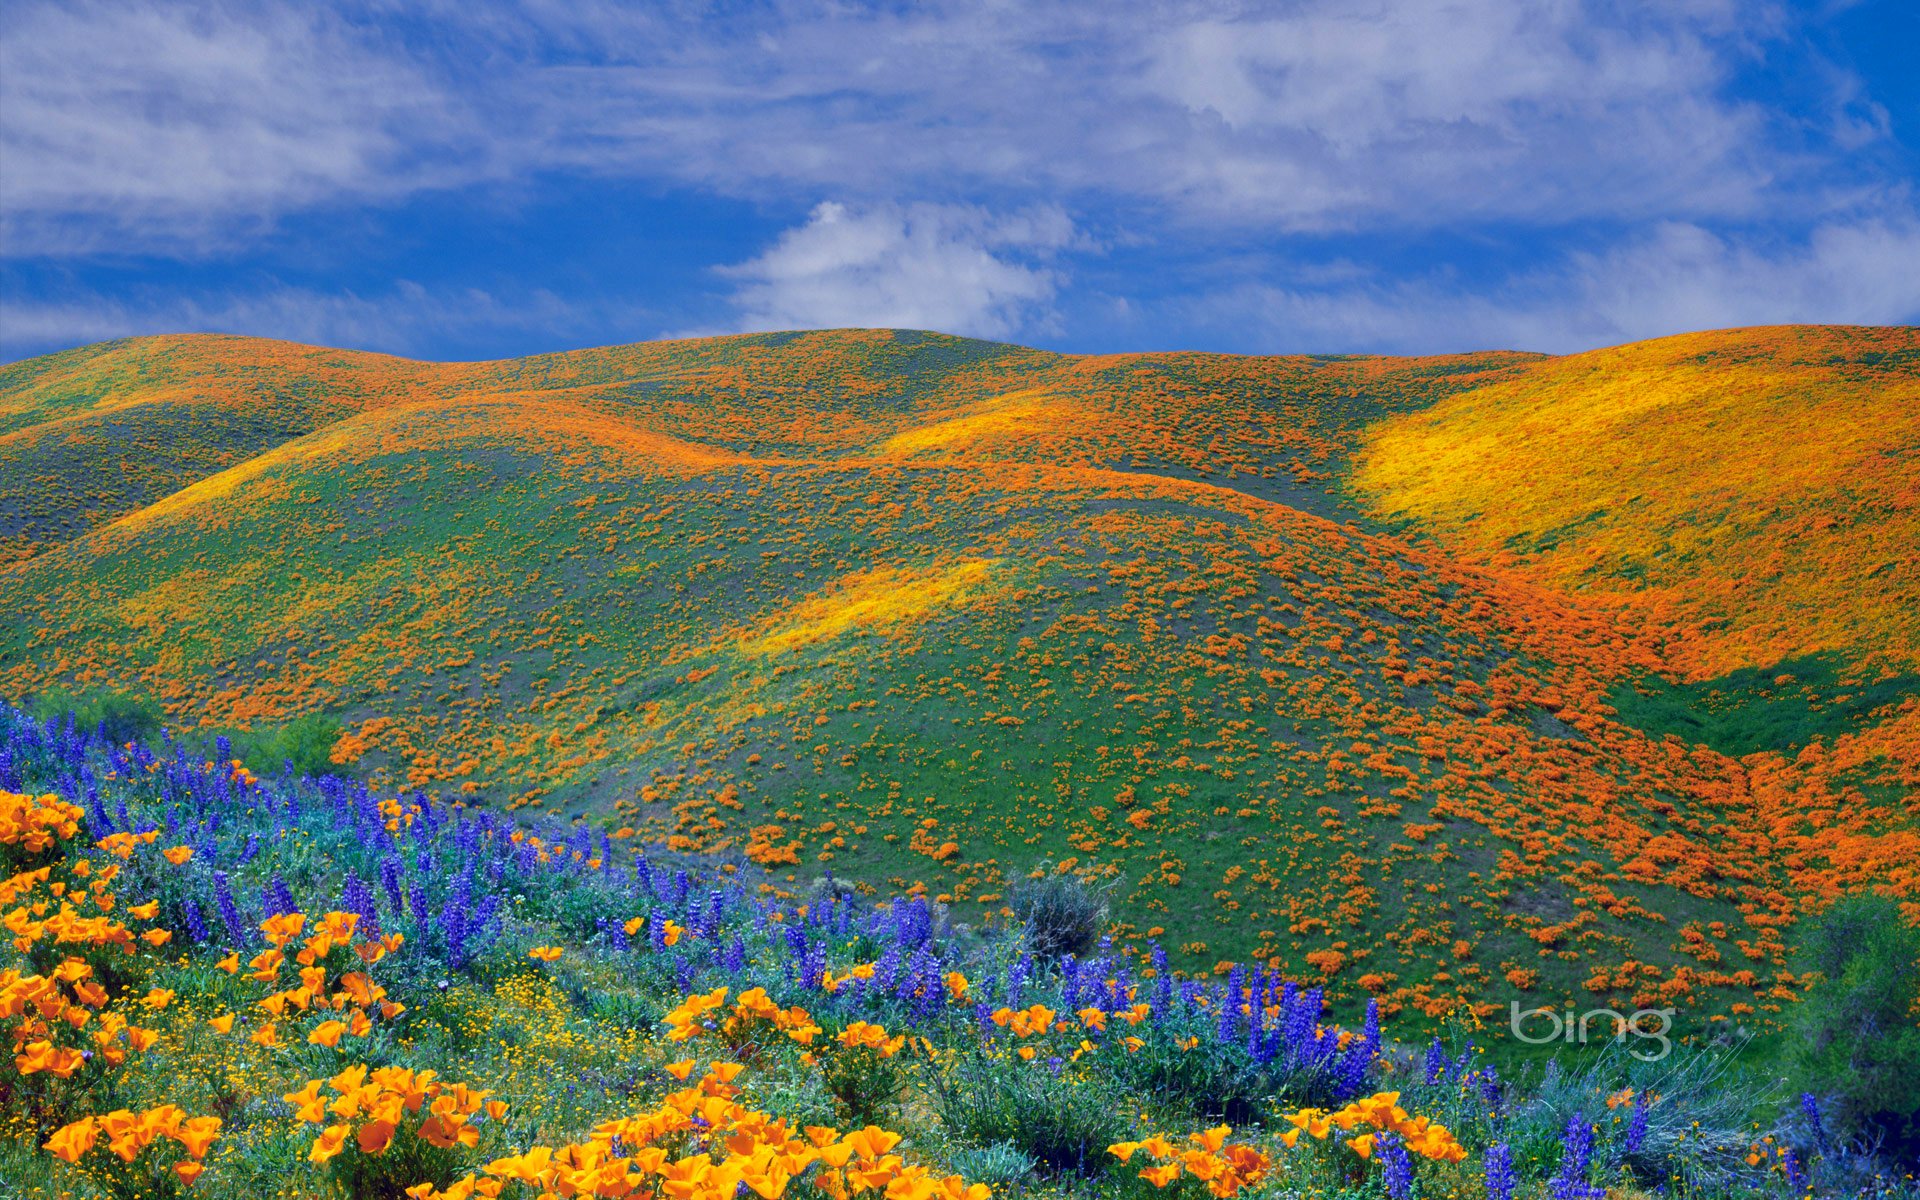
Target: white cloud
137 116
137 125
944 267
1677 277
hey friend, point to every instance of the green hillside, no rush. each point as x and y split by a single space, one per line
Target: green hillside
916 610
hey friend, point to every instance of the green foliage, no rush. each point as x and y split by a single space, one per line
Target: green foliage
1782 707
1702 1106
122 717
1002 1165
1209 1078
1063 913
304 744
1064 1122
1857 1037
864 1084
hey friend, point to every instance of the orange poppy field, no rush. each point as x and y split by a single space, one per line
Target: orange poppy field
1434 680
1429 686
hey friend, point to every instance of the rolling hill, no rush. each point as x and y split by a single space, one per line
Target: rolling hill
1476 677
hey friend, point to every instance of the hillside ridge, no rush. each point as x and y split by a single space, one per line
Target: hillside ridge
926 612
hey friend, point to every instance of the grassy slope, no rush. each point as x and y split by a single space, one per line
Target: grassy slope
916 609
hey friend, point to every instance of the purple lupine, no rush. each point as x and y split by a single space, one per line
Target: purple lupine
1575 1161
1229 1015
277 899
1437 1062
1017 978
97 823
356 897
922 975
229 910
813 964
390 884
454 914
1637 1127
735 957
1396 1168
251 849
1490 1088
1811 1108
1501 1179
1350 1069
886 969
483 918
1797 1181
196 926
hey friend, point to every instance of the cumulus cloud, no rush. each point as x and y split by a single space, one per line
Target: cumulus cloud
950 268
1676 277
127 125
1326 114
1641 131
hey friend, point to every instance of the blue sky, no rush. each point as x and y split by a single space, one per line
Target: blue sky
468 179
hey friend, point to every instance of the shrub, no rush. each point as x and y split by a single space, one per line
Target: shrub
1063 913
1696 1108
1064 1121
304 744
1208 1078
864 1081
1858 1046
120 717
1002 1165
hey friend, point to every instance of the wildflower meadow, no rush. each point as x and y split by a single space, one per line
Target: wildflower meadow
222 984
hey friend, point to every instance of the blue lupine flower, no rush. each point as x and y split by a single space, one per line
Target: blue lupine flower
1797 1181
1501 1179
196 926
1811 1108
1396 1168
1575 1161
356 897
229 910
278 901
1490 1088
1637 1127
